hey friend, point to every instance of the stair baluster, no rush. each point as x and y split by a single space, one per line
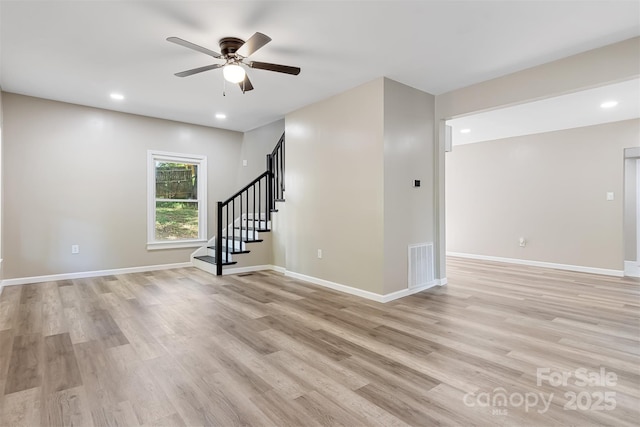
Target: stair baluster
270 188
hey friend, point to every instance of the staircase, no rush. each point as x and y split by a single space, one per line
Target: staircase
244 217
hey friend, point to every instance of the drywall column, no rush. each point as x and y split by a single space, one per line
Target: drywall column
351 163
408 155
616 62
334 189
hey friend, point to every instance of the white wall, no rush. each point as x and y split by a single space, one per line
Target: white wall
77 175
549 188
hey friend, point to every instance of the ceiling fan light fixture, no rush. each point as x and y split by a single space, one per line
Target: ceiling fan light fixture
233 73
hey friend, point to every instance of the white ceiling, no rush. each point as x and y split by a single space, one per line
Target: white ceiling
81 51
562 112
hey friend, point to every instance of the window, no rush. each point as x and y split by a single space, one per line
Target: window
177 200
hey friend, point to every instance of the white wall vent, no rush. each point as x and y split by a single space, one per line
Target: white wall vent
420 265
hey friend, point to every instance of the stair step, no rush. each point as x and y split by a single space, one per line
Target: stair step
257 230
212 260
279 200
232 251
238 238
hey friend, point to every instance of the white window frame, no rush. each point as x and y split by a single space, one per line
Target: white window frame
201 161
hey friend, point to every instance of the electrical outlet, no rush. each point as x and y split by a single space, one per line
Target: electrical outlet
609 196
75 249
522 242
244 163
319 253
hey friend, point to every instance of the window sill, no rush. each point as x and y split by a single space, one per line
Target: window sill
154 246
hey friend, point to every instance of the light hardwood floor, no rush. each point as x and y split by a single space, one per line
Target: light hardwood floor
181 347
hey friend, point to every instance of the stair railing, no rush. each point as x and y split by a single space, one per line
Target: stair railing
275 165
249 209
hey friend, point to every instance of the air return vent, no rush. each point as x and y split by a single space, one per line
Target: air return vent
420 265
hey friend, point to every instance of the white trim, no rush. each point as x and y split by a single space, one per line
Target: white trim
632 269
578 268
201 162
240 270
279 269
362 293
85 274
406 292
177 244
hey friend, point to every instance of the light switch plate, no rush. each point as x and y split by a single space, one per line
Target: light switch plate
609 195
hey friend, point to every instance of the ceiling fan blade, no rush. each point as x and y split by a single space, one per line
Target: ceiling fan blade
246 84
190 45
199 70
254 43
275 67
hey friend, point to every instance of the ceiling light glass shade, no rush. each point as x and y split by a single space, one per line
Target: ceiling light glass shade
233 73
609 104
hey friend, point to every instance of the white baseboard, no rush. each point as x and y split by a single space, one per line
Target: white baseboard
85 274
632 269
279 269
325 283
362 293
240 270
578 268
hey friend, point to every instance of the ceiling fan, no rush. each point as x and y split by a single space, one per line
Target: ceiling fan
235 53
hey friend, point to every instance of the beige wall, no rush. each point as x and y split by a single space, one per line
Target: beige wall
256 144
77 175
617 62
351 162
608 64
408 155
548 188
334 188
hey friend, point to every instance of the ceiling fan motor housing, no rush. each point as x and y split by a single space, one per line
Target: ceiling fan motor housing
229 46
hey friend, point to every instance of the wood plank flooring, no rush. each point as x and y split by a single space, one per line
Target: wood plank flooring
184 348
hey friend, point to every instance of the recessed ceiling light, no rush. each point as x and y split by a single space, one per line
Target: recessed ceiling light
221 116
465 130
609 104
117 96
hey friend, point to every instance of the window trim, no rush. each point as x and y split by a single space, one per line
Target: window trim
201 161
